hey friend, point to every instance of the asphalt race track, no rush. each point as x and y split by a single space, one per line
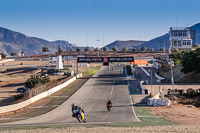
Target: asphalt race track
92 97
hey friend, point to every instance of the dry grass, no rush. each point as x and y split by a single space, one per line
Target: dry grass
147 129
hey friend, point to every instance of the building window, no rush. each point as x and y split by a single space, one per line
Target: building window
179 43
175 43
188 43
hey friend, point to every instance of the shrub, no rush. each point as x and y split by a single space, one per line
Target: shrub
35 80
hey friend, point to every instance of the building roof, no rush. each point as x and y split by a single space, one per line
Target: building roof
140 62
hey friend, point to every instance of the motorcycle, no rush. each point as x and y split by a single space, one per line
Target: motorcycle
109 107
79 115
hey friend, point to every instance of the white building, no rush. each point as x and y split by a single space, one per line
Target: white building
180 38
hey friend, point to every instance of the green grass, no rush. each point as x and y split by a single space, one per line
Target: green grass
148 119
91 71
129 70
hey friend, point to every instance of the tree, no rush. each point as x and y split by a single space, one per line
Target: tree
125 49
12 53
78 49
152 50
143 49
35 80
162 49
3 55
105 49
45 50
134 50
96 49
177 56
115 49
87 49
196 45
22 53
60 51
71 49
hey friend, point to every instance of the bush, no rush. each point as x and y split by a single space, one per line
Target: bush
36 80
3 55
129 70
191 92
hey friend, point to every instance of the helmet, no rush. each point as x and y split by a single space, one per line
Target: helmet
73 105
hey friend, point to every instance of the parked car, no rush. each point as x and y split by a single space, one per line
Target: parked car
22 89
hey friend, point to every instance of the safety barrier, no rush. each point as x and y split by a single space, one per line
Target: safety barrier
158 77
143 89
158 102
3 61
20 105
145 71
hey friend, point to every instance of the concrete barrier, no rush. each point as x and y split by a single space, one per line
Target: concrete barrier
5 109
145 71
3 61
143 91
158 102
158 77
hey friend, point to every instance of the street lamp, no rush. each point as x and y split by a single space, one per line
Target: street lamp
98 45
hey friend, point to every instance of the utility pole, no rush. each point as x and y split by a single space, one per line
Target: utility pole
172 78
151 83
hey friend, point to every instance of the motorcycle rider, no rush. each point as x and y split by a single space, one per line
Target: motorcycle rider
76 110
109 105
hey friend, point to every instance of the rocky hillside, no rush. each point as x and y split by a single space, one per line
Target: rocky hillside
11 41
121 44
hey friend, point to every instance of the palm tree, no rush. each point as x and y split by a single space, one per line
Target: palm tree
78 49
3 56
22 53
45 50
87 49
143 49
96 49
12 53
125 49
115 49
71 49
105 49
134 50
152 50
162 49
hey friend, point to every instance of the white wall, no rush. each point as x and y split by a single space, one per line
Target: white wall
17 106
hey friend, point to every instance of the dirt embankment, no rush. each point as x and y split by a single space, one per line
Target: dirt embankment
179 77
183 114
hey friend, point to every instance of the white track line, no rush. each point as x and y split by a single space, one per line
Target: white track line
112 89
130 96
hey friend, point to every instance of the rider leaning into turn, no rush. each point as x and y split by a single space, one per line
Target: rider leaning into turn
76 108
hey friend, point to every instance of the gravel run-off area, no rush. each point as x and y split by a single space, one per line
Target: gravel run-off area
146 129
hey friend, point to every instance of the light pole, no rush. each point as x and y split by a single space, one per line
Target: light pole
98 45
67 53
172 78
151 83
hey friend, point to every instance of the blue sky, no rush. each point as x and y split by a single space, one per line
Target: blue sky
84 21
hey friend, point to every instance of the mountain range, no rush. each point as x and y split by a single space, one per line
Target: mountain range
11 41
163 41
121 44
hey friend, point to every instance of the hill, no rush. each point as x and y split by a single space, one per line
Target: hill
11 41
121 44
160 42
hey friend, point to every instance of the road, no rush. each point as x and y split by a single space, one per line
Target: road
92 97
